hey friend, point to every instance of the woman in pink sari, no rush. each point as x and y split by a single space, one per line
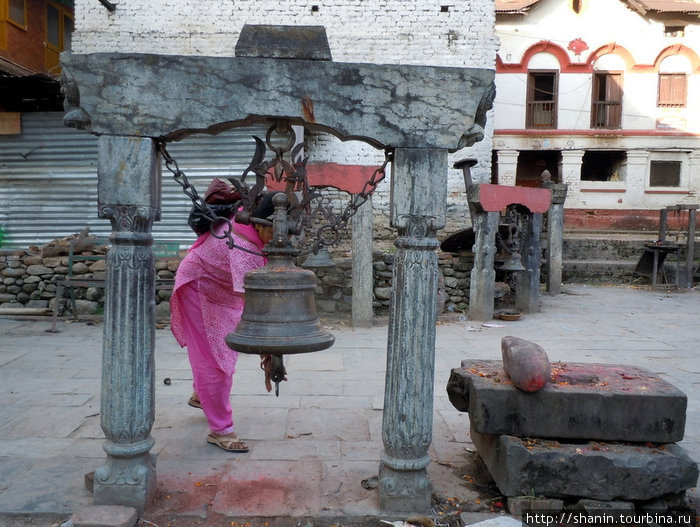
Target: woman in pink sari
206 305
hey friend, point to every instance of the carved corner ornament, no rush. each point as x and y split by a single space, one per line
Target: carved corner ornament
75 117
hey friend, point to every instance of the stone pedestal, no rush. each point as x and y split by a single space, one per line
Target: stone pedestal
583 401
419 194
127 403
597 431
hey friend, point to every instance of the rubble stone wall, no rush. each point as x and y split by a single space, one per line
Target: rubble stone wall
29 281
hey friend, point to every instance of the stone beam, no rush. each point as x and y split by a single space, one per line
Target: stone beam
168 96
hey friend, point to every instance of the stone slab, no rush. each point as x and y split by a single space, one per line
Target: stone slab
595 470
105 516
605 402
152 95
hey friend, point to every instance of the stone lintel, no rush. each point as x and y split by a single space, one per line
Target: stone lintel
151 95
600 471
584 402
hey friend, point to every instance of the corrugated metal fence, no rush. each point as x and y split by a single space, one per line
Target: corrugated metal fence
48 180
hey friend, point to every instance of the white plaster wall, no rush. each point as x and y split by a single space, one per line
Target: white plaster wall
600 22
509 105
384 32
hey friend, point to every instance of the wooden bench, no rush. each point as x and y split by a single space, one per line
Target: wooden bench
161 250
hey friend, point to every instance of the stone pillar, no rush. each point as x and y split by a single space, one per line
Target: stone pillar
418 203
362 266
555 238
129 196
507 166
527 289
570 174
482 280
694 172
636 178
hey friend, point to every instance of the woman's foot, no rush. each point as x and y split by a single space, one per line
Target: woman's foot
228 442
194 401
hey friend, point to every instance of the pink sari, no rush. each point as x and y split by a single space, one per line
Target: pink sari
217 273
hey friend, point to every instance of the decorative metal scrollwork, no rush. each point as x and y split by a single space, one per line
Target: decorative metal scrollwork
310 213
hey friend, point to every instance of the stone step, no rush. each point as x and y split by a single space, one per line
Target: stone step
582 402
600 471
591 271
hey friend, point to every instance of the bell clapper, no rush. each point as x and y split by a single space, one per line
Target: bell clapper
278 372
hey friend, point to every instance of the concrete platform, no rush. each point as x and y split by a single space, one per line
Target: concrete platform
607 402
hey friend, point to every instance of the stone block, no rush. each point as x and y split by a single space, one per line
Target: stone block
39 270
517 505
598 471
105 516
14 272
582 401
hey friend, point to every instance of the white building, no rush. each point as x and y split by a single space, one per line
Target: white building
605 94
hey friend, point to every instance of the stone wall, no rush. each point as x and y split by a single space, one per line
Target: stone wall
29 281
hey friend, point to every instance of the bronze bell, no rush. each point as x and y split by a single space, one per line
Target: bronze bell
279 316
319 260
513 264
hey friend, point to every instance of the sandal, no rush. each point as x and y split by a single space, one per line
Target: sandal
228 443
194 402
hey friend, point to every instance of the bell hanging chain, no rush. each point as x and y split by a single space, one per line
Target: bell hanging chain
356 201
299 193
199 204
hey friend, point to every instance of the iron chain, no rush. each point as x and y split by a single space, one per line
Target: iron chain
199 204
326 235
356 201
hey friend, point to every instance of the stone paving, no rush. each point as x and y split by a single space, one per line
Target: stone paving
312 447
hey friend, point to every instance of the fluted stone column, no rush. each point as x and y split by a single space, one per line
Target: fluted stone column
129 196
418 202
482 280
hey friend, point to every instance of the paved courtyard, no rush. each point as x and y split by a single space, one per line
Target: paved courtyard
314 445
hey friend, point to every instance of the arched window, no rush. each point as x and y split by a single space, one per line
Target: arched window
542 88
606 92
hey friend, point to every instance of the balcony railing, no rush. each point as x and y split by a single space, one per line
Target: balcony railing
606 114
541 114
